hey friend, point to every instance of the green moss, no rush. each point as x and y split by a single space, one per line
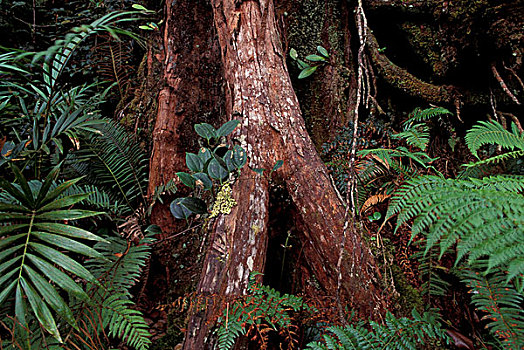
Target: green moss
409 298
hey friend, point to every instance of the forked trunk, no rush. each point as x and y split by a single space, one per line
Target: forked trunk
259 93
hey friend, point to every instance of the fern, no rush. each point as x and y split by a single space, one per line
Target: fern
433 284
501 304
264 310
396 333
125 322
415 135
113 161
485 215
493 133
419 115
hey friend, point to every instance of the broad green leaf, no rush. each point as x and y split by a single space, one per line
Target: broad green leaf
63 261
14 216
302 64
216 171
59 277
204 154
13 208
239 157
228 159
259 171
20 306
50 295
206 131
321 50
194 163
293 53
139 7
68 230
178 210
204 178
196 205
307 72
278 164
47 184
40 309
9 188
186 179
68 244
316 58
227 128
74 214
64 202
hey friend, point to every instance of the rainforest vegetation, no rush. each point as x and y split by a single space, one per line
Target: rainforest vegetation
261 174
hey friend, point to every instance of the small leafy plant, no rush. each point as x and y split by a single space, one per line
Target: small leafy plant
210 171
261 312
306 68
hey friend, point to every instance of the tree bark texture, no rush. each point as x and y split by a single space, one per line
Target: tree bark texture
190 46
259 93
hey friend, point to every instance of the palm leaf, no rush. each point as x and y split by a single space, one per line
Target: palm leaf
28 256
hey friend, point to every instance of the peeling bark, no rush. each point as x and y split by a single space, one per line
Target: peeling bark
259 93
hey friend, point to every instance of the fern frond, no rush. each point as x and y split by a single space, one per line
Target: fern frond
415 135
497 159
262 305
396 333
486 215
501 303
419 115
125 322
123 263
494 133
113 161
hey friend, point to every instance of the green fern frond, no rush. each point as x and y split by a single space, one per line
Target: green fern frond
123 263
98 199
485 215
429 273
493 133
262 305
501 303
415 135
114 161
396 333
419 115
125 322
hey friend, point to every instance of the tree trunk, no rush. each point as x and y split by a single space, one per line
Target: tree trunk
189 46
259 93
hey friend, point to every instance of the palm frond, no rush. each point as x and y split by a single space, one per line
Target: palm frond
30 262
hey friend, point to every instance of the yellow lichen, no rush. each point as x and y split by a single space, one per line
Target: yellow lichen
224 202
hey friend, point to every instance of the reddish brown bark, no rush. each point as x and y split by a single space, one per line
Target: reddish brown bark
259 93
187 98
